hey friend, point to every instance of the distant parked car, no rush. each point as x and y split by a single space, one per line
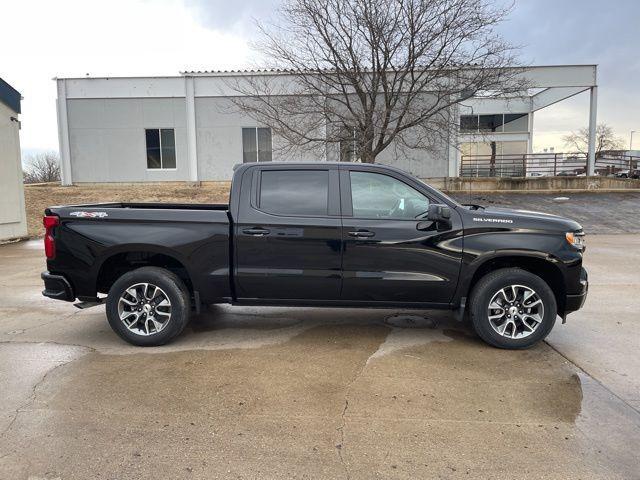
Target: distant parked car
576 172
634 173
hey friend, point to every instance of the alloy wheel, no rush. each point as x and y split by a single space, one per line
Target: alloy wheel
515 311
144 308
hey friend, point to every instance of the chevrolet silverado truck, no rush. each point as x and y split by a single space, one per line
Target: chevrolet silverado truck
318 234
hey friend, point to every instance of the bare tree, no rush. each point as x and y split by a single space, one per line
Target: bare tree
42 168
368 73
606 140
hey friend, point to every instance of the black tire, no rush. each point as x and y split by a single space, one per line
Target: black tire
493 282
171 285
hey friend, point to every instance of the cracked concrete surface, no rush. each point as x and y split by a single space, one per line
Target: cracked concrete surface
319 393
34 365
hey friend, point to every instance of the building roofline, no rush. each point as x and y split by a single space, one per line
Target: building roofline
277 71
118 77
10 96
247 72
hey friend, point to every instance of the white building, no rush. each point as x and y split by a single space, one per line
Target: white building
13 221
185 128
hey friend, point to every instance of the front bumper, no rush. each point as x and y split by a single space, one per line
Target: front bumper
576 301
57 287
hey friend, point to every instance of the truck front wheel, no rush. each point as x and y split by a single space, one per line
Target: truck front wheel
148 306
512 308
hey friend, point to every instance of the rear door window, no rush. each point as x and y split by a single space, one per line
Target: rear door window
294 192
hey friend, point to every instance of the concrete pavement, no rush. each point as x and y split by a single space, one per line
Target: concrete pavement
319 393
604 338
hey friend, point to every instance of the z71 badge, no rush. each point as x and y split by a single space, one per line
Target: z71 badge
89 214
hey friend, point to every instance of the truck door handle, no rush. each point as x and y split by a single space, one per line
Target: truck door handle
258 232
362 234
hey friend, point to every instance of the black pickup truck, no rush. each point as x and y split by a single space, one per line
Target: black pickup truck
320 234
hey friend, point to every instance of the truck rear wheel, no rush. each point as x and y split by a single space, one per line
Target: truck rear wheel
148 306
512 308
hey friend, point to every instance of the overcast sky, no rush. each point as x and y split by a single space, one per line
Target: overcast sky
44 39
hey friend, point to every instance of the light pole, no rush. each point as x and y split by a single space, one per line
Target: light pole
631 140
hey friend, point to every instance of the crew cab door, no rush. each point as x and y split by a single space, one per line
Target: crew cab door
389 254
288 234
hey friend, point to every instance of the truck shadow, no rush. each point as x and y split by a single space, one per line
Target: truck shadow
218 317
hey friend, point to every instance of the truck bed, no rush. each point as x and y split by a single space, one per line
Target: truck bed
155 206
192 237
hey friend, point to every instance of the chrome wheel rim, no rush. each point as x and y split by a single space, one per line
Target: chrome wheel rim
144 309
515 311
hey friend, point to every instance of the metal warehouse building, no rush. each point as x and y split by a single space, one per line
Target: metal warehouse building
186 127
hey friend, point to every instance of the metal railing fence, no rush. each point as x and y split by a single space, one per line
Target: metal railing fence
542 165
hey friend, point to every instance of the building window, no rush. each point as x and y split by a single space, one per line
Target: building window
294 192
161 148
256 145
487 149
490 123
468 123
516 122
498 123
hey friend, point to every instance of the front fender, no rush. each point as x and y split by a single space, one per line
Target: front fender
528 249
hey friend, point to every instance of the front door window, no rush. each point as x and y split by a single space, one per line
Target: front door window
379 196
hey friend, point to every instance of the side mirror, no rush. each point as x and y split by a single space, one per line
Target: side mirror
438 213
439 218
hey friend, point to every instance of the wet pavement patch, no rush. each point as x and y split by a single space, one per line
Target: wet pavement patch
216 318
280 410
409 321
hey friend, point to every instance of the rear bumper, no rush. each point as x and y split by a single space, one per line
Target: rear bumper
576 301
57 287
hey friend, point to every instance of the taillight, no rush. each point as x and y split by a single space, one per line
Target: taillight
49 222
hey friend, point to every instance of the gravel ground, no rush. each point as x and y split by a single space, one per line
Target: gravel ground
598 212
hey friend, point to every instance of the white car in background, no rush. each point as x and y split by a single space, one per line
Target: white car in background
635 173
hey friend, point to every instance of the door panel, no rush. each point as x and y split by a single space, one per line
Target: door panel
289 256
400 263
386 258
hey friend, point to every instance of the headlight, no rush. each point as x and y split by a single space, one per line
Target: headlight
576 240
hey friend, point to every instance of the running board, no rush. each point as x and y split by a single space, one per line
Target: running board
88 304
